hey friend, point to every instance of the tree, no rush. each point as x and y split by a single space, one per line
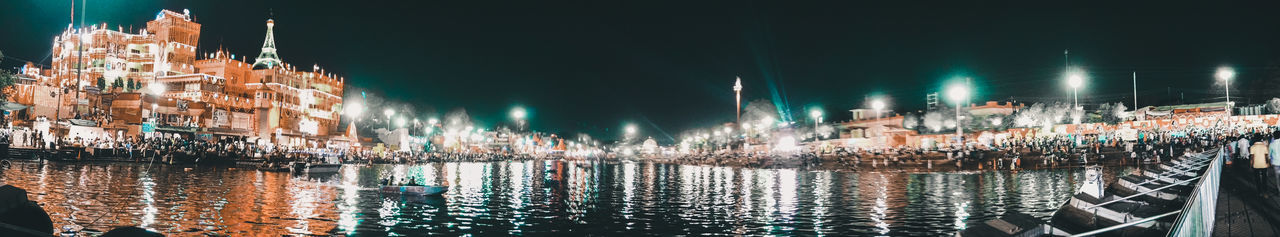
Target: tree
102 83
118 83
131 85
6 80
1110 113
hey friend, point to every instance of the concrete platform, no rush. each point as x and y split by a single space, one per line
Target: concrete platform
1242 210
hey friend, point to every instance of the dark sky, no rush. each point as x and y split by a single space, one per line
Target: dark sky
591 66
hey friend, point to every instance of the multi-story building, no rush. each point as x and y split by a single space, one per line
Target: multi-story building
293 104
96 51
156 76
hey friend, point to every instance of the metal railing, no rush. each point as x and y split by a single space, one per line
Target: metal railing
1140 194
1191 166
1126 224
1197 215
1170 185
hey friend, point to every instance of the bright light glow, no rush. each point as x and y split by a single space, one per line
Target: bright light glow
518 113
958 92
433 121
354 109
1225 73
786 144
399 122
727 130
156 88
815 113
631 129
877 104
429 129
388 112
1075 80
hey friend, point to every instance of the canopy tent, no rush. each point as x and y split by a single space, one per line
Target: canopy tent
11 106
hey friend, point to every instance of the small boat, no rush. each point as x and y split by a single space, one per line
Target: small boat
423 190
300 167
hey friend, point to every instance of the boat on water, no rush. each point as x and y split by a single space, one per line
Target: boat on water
316 162
420 190
308 167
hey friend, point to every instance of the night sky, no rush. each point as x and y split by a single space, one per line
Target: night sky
591 66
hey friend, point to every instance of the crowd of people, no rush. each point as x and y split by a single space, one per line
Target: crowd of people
1009 152
1257 151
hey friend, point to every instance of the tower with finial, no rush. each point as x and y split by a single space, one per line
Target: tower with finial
268 58
737 91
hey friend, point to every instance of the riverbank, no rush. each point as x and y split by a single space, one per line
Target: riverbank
931 162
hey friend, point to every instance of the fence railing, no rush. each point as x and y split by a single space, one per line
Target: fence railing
1197 215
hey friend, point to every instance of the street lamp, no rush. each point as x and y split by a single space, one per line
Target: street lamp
389 112
1226 74
877 105
958 93
816 114
630 131
1075 80
518 113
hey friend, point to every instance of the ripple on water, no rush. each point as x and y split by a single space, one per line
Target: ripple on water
537 197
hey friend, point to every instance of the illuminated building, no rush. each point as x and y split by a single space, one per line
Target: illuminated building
155 75
293 104
166 47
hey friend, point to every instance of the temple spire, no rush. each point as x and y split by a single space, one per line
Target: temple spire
268 58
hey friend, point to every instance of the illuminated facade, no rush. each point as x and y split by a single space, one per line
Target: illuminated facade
181 90
166 47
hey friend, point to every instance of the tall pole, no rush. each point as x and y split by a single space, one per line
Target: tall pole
959 128
737 91
1075 94
80 58
1135 90
1227 87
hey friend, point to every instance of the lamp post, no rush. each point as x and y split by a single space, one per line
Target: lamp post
1075 80
1226 74
737 92
630 131
958 93
877 105
816 114
518 113
388 113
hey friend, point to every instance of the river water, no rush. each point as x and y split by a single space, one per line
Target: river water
537 198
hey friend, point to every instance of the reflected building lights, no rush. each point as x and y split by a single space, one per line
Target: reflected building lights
787 192
628 189
821 194
882 206
350 200
148 199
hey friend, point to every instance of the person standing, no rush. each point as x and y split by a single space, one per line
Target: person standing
1243 152
1260 164
1275 152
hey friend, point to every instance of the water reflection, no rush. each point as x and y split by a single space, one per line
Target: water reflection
538 198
